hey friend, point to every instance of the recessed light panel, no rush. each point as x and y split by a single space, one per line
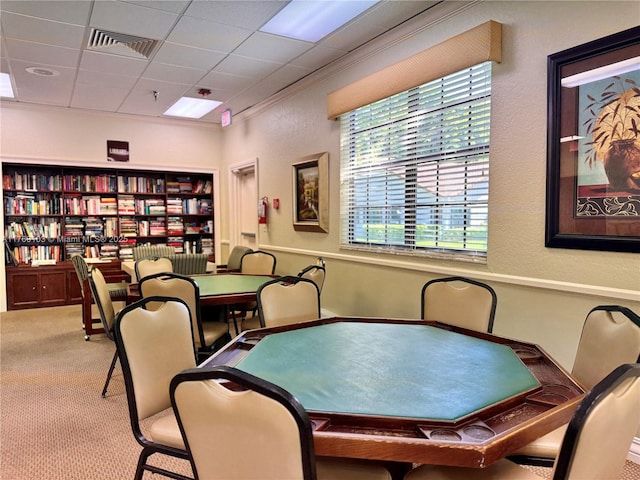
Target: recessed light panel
189 107
6 89
311 20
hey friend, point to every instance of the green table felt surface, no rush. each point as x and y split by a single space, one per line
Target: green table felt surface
410 371
229 284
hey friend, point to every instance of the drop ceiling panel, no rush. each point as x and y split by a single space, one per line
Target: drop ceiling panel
39 54
183 56
108 98
51 90
227 82
272 48
171 73
247 67
318 55
42 31
105 79
104 62
173 6
250 15
67 11
212 36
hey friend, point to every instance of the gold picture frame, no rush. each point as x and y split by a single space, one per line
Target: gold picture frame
311 193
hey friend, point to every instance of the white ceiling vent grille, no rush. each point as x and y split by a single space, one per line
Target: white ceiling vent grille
121 44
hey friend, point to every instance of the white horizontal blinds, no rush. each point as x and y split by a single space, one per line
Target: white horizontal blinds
415 168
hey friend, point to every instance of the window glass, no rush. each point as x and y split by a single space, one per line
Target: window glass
415 169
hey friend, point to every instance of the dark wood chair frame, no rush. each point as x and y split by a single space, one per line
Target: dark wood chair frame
284 279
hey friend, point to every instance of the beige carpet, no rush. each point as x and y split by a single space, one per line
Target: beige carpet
53 422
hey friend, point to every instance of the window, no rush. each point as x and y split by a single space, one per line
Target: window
415 169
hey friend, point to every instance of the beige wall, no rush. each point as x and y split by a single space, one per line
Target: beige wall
543 293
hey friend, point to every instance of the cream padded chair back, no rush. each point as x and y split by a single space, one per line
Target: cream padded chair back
102 297
175 285
314 273
460 302
258 263
610 337
220 426
601 431
154 346
287 300
150 265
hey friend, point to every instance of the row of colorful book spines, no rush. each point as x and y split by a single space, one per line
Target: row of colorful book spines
27 253
30 230
29 206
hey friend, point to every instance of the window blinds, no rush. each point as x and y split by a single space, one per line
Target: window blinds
415 168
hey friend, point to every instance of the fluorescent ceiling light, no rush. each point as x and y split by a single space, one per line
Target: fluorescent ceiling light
192 107
311 20
6 90
601 73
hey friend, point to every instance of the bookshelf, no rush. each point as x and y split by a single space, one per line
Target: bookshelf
53 212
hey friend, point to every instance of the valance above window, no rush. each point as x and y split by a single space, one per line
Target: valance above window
480 44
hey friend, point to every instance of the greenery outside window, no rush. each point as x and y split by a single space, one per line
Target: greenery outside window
415 169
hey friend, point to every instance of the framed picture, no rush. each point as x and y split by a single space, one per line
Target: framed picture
593 145
311 193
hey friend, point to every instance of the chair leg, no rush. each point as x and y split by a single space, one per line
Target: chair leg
111 368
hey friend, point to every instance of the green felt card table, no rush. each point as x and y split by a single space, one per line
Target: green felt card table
220 289
410 391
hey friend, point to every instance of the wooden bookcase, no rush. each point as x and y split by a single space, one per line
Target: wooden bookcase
52 212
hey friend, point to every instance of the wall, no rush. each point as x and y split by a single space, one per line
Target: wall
543 294
75 137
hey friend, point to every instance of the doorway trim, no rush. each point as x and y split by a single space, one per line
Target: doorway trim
235 170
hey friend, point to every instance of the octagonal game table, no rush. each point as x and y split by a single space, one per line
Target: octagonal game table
410 391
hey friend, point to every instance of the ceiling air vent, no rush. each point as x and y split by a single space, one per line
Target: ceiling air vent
121 44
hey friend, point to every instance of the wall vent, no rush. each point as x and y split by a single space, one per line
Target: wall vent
121 44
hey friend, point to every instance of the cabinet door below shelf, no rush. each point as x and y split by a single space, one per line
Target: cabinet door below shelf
23 290
53 289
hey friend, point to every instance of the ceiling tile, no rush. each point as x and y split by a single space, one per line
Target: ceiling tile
37 30
171 73
272 48
226 82
104 62
53 90
39 54
100 80
212 36
246 67
67 11
181 55
174 6
318 55
250 15
106 98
